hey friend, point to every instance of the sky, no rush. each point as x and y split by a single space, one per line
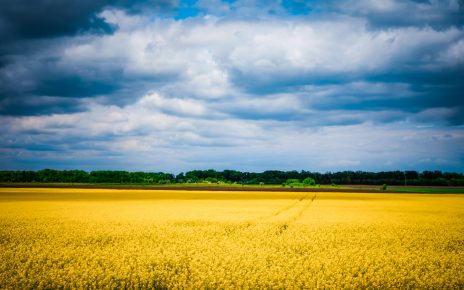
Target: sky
170 85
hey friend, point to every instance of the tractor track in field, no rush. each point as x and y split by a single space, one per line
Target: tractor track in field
285 208
282 226
300 213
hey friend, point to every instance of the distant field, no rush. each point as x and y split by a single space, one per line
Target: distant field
110 238
242 187
428 189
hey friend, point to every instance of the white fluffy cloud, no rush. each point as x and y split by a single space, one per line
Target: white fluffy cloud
214 58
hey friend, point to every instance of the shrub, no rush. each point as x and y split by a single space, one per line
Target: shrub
309 182
292 181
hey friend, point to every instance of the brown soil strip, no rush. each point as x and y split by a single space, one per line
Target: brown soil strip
198 188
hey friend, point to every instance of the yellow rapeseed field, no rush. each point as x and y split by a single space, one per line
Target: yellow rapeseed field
114 239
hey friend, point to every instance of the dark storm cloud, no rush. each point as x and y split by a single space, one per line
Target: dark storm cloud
426 89
75 87
22 19
32 79
287 80
40 105
394 13
43 18
441 88
40 84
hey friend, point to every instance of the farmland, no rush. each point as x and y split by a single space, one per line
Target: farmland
109 238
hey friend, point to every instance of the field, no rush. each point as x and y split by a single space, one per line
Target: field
109 238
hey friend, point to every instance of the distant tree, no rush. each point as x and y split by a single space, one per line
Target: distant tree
211 180
292 182
230 176
308 181
180 177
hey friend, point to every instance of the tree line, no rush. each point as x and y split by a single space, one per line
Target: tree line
271 177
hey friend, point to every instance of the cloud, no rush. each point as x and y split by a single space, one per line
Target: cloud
255 70
40 105
336 64
38 19
173 106
303 85
139 136
396 13
274 107
50 18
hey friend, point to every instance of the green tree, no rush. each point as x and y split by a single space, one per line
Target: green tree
308 181
292 182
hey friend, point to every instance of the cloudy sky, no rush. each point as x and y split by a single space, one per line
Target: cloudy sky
170 85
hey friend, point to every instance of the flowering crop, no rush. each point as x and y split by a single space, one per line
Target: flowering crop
107 239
